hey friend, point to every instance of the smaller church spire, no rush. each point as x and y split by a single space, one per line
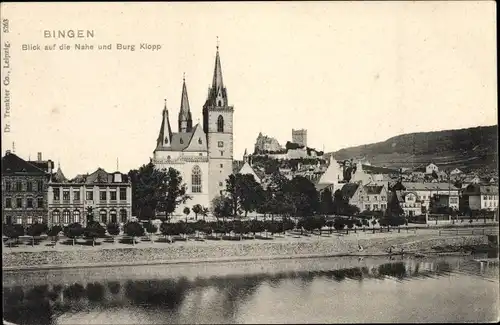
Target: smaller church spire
165 134
185 119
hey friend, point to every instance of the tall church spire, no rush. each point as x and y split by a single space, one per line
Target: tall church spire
185 120
165 135
217 95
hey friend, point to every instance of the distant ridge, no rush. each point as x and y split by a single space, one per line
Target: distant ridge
472 150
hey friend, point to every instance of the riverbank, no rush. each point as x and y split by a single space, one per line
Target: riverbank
218 251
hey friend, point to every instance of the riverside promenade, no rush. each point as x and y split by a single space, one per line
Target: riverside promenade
277 247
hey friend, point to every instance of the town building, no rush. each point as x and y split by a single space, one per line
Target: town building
107 195
410 203
478 197
203 154
431 168
446 194
299 137
24 191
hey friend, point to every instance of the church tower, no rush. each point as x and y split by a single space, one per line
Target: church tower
185 120
218 126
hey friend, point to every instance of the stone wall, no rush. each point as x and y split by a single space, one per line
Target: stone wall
206 251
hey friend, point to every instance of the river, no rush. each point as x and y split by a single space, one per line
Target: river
319 290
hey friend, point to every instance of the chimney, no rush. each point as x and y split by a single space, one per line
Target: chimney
39 156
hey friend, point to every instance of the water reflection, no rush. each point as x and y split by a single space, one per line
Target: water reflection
220 299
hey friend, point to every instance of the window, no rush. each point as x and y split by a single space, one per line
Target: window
90 196
66 195
8 186
55 217
123 215
39 219
222 153
220 102
166 140
368 198
220 124
29 187
39 185
8 202
56 194
220 183
367 207
102 195
375 207
196 180
39 202
484 197
19 186
112 214
123 193
376 198
76 195
104 216
199 141
382 206
29 203
220 144
112 195
382 198
19 202
76 216
66 215
221 166
19 220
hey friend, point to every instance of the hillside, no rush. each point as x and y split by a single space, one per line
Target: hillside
473 149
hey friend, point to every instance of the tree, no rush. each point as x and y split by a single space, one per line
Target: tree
133 229
73 231
374 222
54 233
167 229
204 212
197 209
221 207
151 229
327 202
339 224
301 195
94 230
35 230
434 175
157 190
244 193
113 229
13 231
186 211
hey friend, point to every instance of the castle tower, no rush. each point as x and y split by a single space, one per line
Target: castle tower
218 126
245 156
185 120
165 136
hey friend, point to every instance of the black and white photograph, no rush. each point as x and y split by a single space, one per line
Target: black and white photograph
249 162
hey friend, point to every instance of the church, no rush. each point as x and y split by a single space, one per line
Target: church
203 154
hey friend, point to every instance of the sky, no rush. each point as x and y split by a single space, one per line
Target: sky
350 73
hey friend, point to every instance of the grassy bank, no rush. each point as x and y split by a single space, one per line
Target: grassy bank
193 251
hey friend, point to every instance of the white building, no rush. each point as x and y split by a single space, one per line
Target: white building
203 154
431 168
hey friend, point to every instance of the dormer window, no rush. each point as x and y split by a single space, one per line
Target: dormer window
199 141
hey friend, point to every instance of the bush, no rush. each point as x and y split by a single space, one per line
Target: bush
35 230
339 224
54 231
113 228
133 229
73 231
150 228
13 231
94 230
